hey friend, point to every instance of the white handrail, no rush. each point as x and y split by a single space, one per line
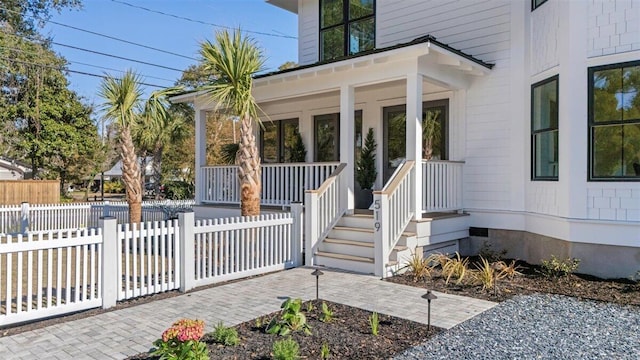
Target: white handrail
442 185
392 213
323 209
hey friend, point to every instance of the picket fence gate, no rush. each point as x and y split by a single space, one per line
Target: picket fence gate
45 274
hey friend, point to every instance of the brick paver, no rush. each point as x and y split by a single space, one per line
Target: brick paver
125 332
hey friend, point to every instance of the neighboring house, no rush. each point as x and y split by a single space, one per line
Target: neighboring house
116 171
538 110
11 169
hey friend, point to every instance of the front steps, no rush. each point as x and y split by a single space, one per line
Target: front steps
350 244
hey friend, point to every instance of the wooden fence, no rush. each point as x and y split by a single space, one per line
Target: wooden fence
13 192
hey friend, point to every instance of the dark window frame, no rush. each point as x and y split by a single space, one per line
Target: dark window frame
535 131
591 125
535 6
335 118
280 124
345 24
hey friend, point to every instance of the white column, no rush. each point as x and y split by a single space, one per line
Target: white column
414 137
110 281
201 151
347 134
186 222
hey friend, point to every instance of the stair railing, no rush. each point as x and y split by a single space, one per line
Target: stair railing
323 208
392 211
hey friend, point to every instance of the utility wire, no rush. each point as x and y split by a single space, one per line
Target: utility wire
200 21
72 71
104 35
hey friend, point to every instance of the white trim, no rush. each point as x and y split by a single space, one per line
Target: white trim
613 58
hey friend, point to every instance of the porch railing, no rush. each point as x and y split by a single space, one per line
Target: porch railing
282 184
442 185
323 209
392 212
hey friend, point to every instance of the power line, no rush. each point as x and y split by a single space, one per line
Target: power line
72 71
105 36
200 21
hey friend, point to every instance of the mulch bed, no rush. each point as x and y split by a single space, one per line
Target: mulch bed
348 336
619 291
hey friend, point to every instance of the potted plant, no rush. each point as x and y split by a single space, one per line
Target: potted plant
366 172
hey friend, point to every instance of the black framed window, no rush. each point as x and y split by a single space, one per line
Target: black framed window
327 136
614 122
347 27
277 139
536 4
544 129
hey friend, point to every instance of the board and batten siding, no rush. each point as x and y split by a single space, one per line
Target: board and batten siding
544 28
308 31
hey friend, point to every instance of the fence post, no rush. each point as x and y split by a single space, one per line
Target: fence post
110 281
296 233
24 218
310 226
186 223
105 209
381 232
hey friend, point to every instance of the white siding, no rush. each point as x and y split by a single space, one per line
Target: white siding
545 24
6 174
611 201
308 22
614 26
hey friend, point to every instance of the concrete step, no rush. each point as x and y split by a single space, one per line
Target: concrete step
348 247
359 264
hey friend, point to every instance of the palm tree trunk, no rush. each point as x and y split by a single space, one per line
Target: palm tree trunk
248 170
157 171
131 176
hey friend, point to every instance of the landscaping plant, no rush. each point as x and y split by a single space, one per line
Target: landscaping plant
508 271
227 336
327 313
486 274
291 319
419 267
325 353
374 322
287 349
182 342
555 268
455 268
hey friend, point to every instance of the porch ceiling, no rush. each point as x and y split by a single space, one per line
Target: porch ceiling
437 64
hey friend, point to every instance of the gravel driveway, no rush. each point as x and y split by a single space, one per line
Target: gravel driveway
540 327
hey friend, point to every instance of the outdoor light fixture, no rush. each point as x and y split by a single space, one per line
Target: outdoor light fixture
317 274
429 296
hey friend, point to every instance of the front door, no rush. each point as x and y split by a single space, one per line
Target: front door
435 120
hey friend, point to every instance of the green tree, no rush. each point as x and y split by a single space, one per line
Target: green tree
235 58
25 16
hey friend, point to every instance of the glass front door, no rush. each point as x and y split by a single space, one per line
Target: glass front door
435 119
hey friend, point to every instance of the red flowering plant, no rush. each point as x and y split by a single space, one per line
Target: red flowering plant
182 342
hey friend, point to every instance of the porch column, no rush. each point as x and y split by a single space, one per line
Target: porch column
201 152
414 137
347 135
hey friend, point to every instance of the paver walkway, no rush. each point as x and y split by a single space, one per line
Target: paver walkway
121 333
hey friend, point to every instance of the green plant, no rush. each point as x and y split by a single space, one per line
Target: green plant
488 252
113 187
228 153
374 322
310 306
227 336
455 268
327 313
366 172
325 353
258 323
291 319
510 270
287 349
298 152
554 268
179 190
486 274
182 342
419 267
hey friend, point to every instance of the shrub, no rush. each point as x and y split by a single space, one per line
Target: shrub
374 322
486 274
325 353
455 268
227 336
182 341
291 319
554 268
113 187
179 190
488 252
287 349
510 270
419 267
327 313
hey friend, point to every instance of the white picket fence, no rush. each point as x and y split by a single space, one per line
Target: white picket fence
44 274
42 217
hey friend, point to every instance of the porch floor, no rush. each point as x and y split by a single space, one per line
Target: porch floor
110 335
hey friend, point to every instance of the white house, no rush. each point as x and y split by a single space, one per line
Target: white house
11 169
539 115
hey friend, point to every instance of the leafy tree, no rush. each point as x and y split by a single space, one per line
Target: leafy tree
288 65
25 16
235 58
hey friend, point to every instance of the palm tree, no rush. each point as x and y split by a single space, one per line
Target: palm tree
235 58
123 98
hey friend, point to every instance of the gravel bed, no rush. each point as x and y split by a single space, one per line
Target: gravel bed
540 327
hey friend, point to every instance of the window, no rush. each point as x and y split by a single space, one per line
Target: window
544 129
536 4
347 27
327 137
614 122
277 139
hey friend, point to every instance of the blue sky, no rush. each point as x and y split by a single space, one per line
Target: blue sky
113 18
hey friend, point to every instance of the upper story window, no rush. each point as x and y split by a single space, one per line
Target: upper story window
544 129
347 27
536 4
614 122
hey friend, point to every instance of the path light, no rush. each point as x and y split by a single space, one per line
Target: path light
429 296
317 274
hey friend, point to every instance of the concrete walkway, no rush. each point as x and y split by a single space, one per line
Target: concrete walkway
121 333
